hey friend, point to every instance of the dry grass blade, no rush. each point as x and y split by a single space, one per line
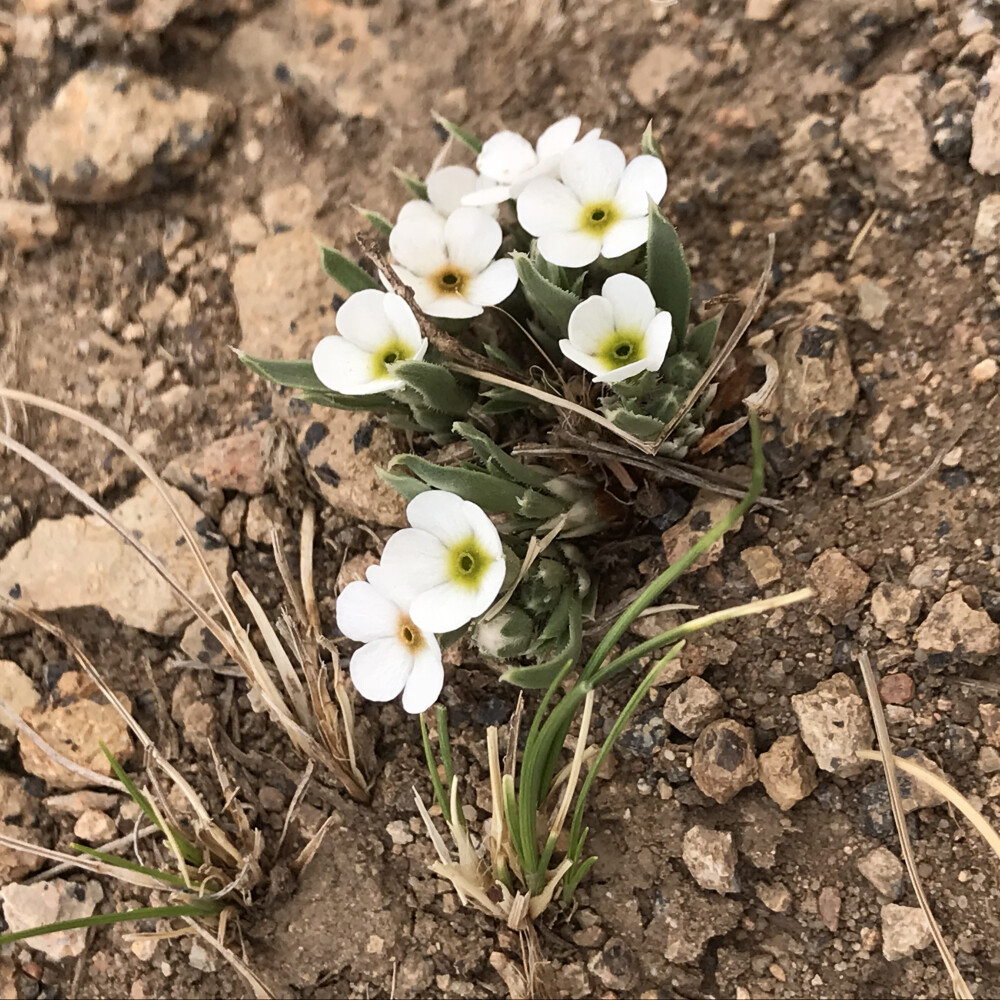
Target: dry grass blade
958 984
730 345
260 989
924 475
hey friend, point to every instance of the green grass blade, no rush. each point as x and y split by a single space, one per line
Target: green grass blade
439 793
111 859
444 743
198 909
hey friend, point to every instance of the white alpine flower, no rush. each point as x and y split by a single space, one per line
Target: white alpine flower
598 207
397 655
618 333
449 187
451 558
449 262
376 329
508 162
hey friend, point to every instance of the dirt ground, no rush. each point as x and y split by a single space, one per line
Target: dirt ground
751 115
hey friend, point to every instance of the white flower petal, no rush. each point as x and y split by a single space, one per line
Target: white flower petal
393 586
449 306
586 361
403 323
644 178
343 367
658 335
416 559
618 374
417 239
488 197
594 133
451 519
472 238
505 156
590 323
631 302
546 206
445 607
593 170
570 249
447 186
362 320
441 514
558 137
489 586
424 291
492 286
364 613
624 235
380 669
426 678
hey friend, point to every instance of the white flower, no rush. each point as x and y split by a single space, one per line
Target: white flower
618 333
599 206
449 262
376 329
396 655
451 558
448 187
509 161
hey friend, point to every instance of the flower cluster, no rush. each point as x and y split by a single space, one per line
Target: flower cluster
566 238
434 577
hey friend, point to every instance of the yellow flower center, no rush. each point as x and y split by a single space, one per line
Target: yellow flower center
598 217
467 563
621 348
387 354
449 280
409 635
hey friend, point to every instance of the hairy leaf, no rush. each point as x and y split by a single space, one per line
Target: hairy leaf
667 271
551 304
344 271
463 135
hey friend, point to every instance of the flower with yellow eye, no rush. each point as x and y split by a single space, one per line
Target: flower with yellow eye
597 208
376 330
618 333
397 656
451 559
448 262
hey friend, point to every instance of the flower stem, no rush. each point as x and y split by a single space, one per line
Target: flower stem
675 569
442 799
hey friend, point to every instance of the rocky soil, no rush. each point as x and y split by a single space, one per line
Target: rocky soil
165 169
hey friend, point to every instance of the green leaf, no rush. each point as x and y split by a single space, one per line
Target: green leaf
344 271
701 339
649 144
502 400
376 402
551 304
667 271
465 137
541 506
378 220
490 492
111 859
682 370
438 388
406 486
293 374
414 184
637 424
537 676
492 455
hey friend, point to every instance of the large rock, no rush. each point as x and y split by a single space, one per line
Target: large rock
75 562
664 71
787 772
27 906
839 583
115 132
286 307
18 819
905 931
835 724
985 155
952 624
29 225
724 761
17 692
707 510
711 858
817 387
75 721
887 136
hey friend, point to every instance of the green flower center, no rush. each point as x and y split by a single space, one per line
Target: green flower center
468 563
621 348
450 280
387 354
409 635
597 217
